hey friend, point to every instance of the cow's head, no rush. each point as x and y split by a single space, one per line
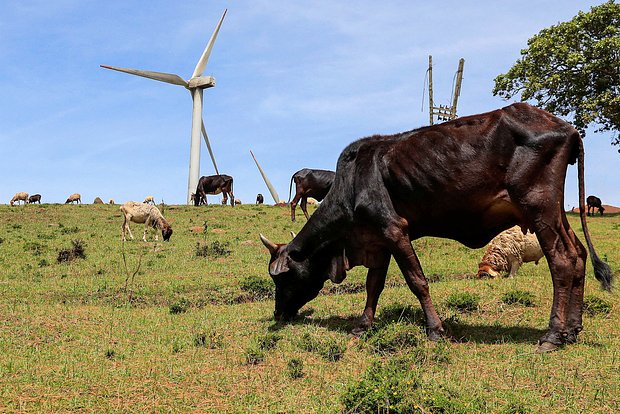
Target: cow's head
299 280
601 209
166 232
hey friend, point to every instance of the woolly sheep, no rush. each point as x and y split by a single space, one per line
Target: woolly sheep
508 251
147 214
74 197
20 196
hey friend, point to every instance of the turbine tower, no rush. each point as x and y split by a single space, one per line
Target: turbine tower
196 84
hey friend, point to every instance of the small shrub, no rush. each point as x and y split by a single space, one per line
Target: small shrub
520 297
259 288
593 305
295 368
254 356
75 252
210 339
217 249
394 337
463 301
35 248
181 305
43 263
69 230
110 353
268 341
328 348
383 388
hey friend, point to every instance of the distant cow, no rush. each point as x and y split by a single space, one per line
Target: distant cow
214 184
467 180
309 183
594 202
260 199
76 197
20 196
35 198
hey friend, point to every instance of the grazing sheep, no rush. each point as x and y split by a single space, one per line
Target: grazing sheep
260 199
98 201
508 251
74 197
149 200
147 214
35 198
111 201
20 196
237 202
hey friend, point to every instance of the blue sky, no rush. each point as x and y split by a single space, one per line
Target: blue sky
296 82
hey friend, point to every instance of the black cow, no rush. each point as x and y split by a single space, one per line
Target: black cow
35 198
594 202
466 180
260 199
214 184
309 183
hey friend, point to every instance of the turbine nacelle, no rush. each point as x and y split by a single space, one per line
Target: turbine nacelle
201 82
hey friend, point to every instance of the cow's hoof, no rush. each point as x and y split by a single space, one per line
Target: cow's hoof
544 347
435 335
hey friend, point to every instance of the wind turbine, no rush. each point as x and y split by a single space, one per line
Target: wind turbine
272 190
196 84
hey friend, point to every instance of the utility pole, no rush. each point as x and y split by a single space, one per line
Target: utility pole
444 112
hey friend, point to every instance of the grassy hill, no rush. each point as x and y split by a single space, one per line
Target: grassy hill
186 326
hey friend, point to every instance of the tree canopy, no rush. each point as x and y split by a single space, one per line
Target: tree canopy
573 69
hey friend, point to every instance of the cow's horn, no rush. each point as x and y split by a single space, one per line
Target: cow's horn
293 235
272 247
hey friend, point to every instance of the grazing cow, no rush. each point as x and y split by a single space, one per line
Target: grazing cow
508 251
147 214
467 180
35 198
214 184
149 200
594 202
309 183
260 199
20 196
97 200
74 197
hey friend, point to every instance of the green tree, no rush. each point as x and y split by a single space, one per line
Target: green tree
573 69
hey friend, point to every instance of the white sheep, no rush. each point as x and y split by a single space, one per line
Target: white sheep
508 251
20 196
74 197
149 200
147 214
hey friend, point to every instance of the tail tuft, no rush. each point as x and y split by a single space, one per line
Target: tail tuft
603 273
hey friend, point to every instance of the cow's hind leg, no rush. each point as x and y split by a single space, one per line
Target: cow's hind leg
566 257
304 207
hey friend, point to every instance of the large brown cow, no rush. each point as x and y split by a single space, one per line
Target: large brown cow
214 184
466 180
594 202
309 183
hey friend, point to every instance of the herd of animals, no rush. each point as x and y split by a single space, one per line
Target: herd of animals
495 178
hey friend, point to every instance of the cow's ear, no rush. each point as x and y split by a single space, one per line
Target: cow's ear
337 270
280 265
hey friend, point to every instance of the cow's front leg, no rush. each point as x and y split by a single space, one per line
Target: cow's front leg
375 282
414 276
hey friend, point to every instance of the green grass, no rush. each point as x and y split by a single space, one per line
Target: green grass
156 327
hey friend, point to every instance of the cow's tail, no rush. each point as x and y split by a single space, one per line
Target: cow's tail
602 271
290 186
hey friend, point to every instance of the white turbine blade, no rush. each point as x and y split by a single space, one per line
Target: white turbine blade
159 76
272 190
202 62
204 134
